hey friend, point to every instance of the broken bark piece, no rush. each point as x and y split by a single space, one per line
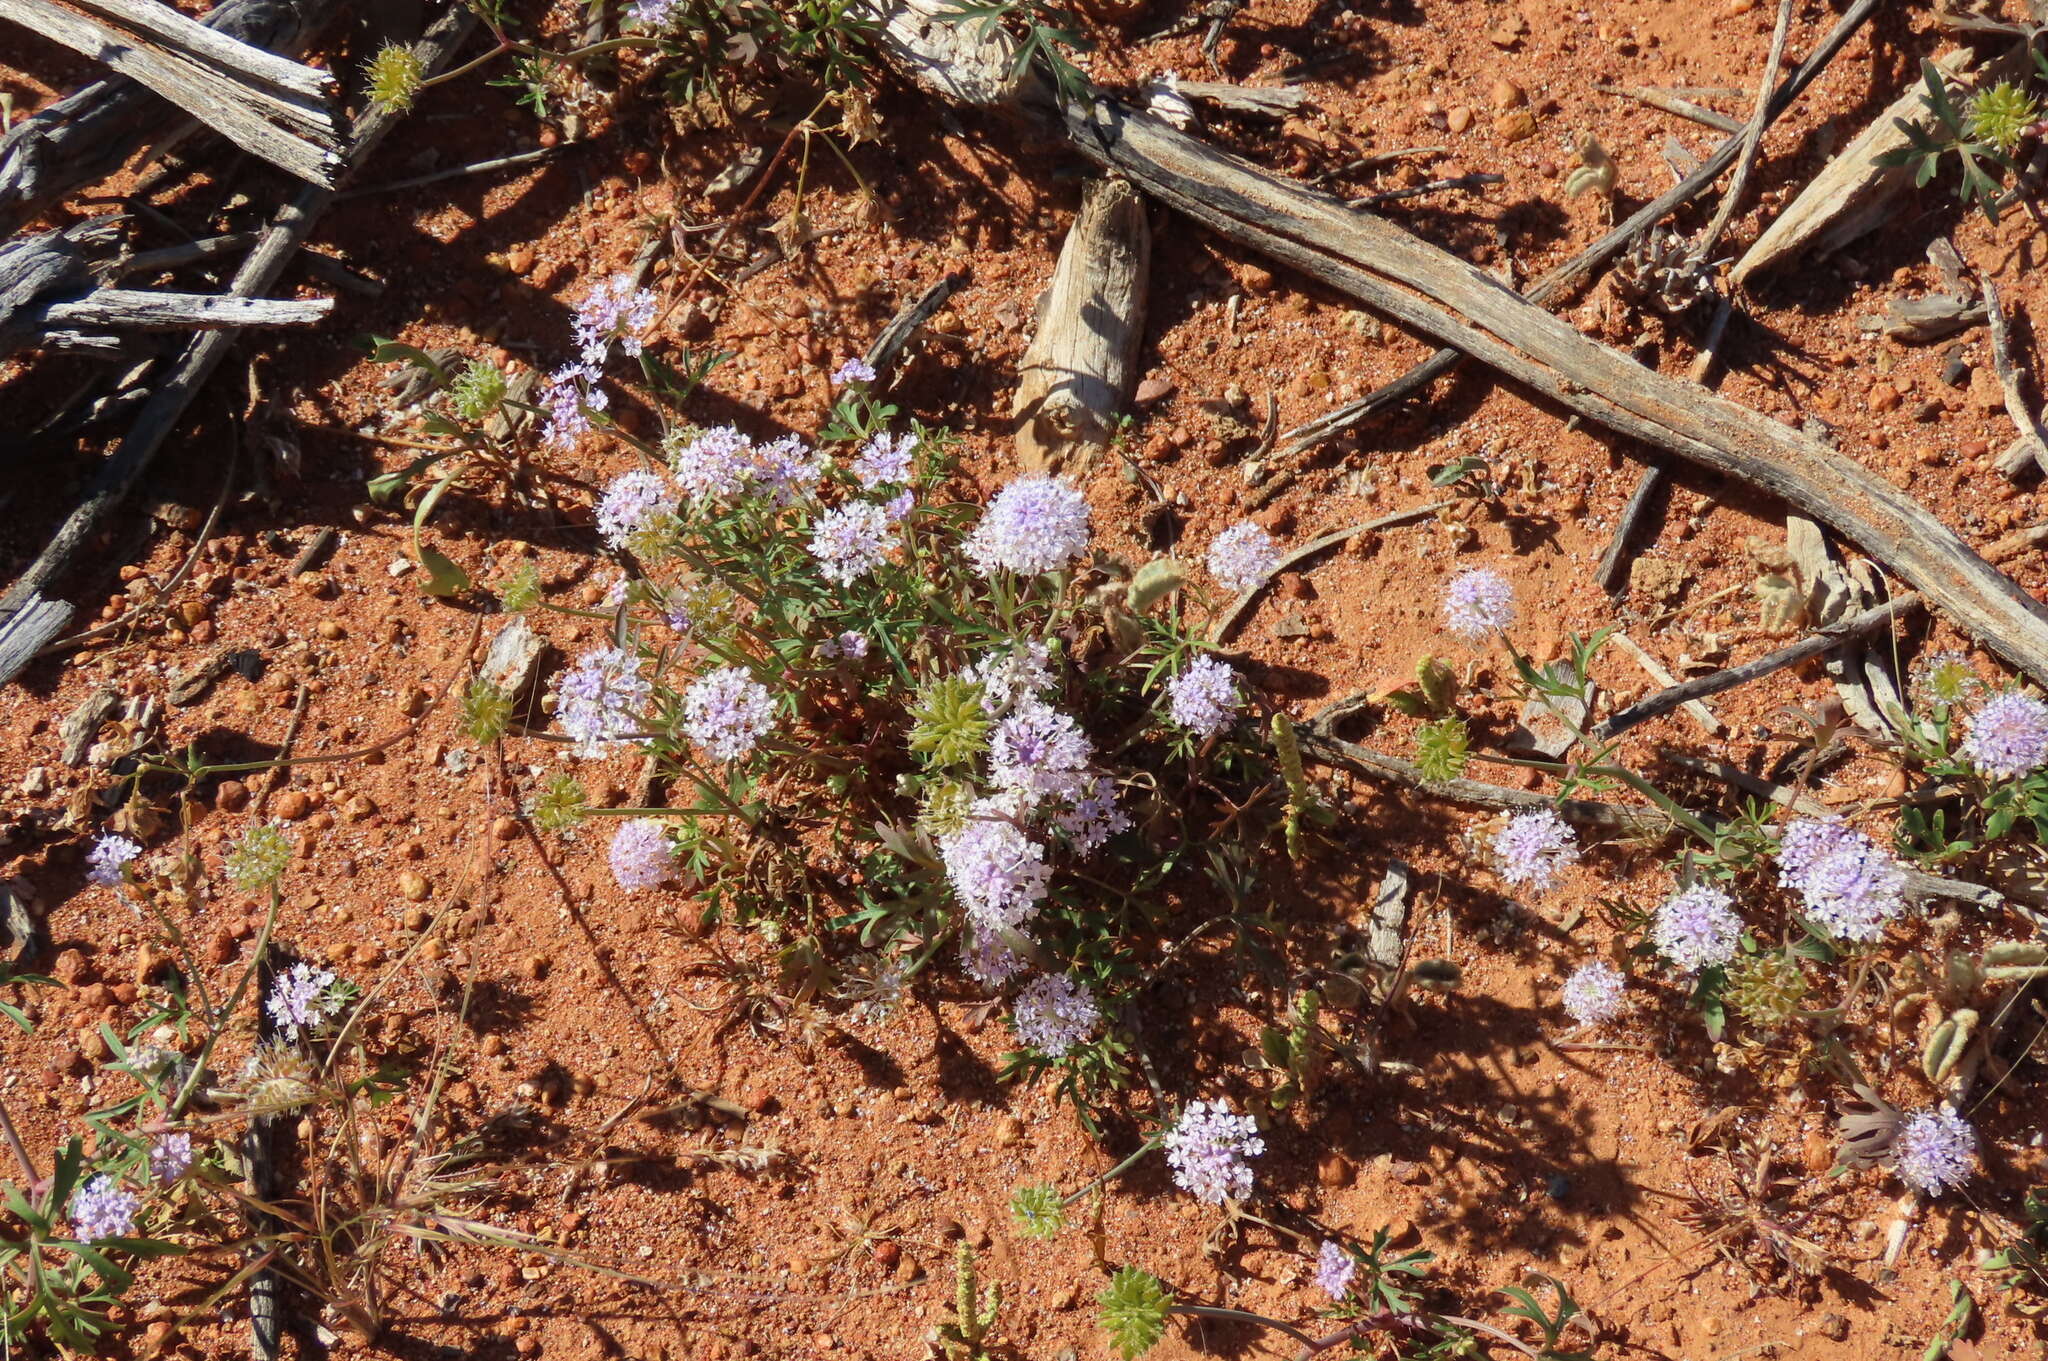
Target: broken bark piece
2031 445
1619 556
1265 101
1076 377
1922 321
286 120
1852 193
888 346
513 662
21 934
1386 929
967 61
83 724
34 268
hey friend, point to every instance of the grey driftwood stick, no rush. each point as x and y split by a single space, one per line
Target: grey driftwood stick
28 619
91 132
239 111
1612 573
888 346
1433 292
1076 376
143 310
2031 445
1567 275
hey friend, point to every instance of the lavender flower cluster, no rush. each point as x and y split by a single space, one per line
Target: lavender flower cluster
1934 1150
1533 850
720 465
302 999
1479 601
2008 736
1210 1149
568 397
1697 929
100 1210
1335 1270
1243 556
851 541
726 712
1204 697
615 310
642 855
634 504
107 863
998 873
170 1156
1593 993
884 461
602 702
1054 1013
1035 525
1846 883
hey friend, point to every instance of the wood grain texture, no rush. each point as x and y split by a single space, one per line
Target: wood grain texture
1076 376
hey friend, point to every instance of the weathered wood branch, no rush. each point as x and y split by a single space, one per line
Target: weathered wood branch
2031 443
223 99
256 65
888 346
1265 101
90 133
141 310
1076 376
34 267
27 617
1463 306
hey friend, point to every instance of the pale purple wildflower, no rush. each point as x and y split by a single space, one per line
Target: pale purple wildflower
1210 1149
997 872
1935 1150
715 465
615 310
1038 752
642 855
568 396
634 503
1036 524
101 1210
1054 1013
787 469
1008 679
602 701
854 370
898 506
884 460
301 998
851 541
850 645
1533 849
2008 736
1093 817
170 1156
1334 1270
726 712
1592 995
989 960
656 14
1204 698
1478 602
107 863
1697 928
1243 556
1847 884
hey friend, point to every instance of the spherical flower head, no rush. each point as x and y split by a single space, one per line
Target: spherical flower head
603 700
101 1210
654 14
568 397
1946 678
726 712
1847 885
1935 1150
854 370
898 506
851 541
1334 1270
1478 602
260 858
634 503
997 872
884 461
1093 817
107 863
1592 995
1037 751
170 1156
615 310
642 856
1534 848
301 999
1009 679
1036 524
1243 556
712 466
1204 698
787 470
1210 1149
2008 736
989 960
851 645
1054 1013
1697 929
